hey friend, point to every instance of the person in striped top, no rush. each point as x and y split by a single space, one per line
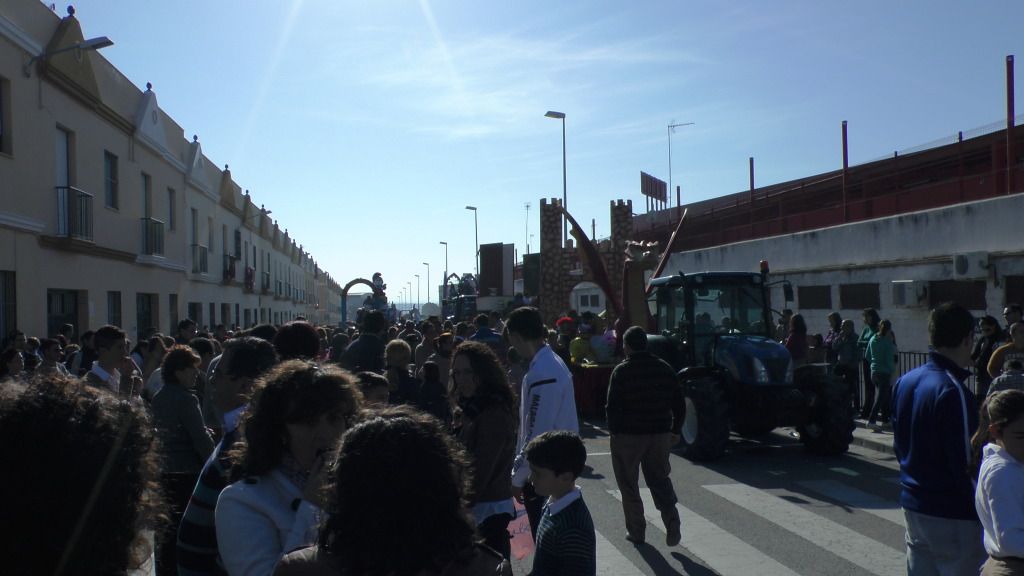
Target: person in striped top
566 542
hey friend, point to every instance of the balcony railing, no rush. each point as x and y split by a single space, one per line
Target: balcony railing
265 287
152 237
229 268
74 213
200 264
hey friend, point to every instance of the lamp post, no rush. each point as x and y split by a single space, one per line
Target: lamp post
565 202
427 264
671 128
476 235
444 280
417 291
90 44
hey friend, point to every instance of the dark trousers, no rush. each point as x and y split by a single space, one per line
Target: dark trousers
850 378
494 531
883 396
869 390
178 487
534 504
632 453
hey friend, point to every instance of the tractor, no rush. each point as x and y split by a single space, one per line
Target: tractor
716 330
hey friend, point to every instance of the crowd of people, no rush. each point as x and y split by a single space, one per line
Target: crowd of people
300 449
293 449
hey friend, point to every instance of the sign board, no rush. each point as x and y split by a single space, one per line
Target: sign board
653 187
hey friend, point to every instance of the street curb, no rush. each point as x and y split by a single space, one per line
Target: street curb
867 438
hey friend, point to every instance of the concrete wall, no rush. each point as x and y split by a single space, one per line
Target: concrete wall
917 246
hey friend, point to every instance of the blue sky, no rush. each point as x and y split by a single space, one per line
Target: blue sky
367 126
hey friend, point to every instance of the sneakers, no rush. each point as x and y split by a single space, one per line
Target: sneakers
673 535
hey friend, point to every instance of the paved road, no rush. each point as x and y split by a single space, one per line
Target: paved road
767 508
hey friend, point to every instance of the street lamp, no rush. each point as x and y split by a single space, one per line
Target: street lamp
671 129
417 290
565 203
427 264
90 44
476 235
444 280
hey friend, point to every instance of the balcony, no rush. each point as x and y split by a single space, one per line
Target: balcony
200 259
250 279
152 237
229 268
265 286
74 213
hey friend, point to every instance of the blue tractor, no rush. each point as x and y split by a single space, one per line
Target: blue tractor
716 330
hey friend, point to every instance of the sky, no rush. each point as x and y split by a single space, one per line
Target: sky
367 126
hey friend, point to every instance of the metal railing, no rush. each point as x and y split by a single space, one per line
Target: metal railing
200 257
906 362
74 213
152 237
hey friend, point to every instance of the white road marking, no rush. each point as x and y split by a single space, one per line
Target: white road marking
723 552
853 547
599 454
611 562
858 499
846 471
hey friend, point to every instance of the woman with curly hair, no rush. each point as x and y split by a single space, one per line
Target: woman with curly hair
396 506
82 493
297 414
488 431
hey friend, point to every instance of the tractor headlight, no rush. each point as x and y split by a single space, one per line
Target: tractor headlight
760 372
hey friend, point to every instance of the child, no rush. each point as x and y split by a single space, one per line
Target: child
566 543
998 497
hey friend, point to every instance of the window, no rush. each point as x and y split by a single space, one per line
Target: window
968 293
110 198
172 208
238 245
195 228
172 308
114 308
859 296
209 234
195 313
1014 289
5 117
8 302
814 297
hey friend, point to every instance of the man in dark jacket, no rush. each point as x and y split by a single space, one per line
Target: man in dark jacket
934 416
645 413
366 353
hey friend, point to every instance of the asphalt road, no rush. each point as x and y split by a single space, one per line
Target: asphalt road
767 508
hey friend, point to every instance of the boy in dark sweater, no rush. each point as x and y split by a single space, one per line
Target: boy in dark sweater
566 544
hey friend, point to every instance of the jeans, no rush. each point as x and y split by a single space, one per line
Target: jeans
943 546
883 396
632 453
869 390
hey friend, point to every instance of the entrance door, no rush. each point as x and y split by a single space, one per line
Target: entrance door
61 309
146 314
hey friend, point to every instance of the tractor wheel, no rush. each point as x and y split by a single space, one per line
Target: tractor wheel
706 424
829 430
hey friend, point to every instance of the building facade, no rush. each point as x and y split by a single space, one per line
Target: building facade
109 214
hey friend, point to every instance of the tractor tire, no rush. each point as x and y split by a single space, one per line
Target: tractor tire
706 424
830 429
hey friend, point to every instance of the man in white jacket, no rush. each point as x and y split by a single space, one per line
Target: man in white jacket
547 400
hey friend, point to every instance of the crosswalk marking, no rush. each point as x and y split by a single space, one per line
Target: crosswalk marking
611 562
723 552
853 547
857 499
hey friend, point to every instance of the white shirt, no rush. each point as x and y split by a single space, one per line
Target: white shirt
556 506
113 379
999 499
155 383
548 403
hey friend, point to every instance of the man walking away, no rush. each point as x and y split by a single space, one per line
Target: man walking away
933 418
645 413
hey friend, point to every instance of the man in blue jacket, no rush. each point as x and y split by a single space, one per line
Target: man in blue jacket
934 415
